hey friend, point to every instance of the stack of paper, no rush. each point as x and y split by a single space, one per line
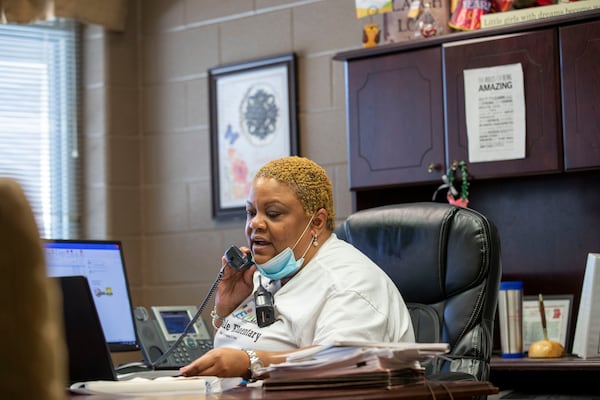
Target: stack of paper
353 364
166 385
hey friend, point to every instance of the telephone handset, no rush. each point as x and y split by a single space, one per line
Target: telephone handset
159 333
237 259
263 299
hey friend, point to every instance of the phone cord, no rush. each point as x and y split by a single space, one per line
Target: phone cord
170 350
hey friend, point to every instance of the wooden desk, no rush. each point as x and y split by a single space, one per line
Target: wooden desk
568 363
568 374
435 390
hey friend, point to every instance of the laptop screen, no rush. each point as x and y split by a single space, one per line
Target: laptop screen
102 263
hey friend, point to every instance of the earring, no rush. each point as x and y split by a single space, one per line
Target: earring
315 243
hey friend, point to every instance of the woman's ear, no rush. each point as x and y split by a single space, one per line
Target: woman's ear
319 222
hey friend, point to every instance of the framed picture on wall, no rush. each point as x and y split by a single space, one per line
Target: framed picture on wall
252 121
558 316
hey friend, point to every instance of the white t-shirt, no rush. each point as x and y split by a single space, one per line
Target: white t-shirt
339 295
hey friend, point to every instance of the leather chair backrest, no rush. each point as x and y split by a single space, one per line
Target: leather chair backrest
445 261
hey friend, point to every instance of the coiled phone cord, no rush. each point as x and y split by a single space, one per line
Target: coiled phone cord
170 350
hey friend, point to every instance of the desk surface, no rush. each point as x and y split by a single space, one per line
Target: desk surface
433 390
572 363
568 375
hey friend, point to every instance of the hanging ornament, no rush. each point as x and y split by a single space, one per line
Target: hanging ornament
453 196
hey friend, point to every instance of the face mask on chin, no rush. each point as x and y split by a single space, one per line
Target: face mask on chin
284 264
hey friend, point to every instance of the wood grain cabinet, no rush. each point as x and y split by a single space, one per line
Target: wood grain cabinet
395 118
537 53
406 112
580 74
406 102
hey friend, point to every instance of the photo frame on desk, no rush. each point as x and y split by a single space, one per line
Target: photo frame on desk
252 121
558 319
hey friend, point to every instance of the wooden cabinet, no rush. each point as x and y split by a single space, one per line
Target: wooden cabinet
537 54
547 218
395 118
406 102
580 52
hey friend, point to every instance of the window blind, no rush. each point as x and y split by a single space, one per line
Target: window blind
39 121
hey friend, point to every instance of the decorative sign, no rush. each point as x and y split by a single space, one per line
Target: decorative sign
365 8
400 25
495 113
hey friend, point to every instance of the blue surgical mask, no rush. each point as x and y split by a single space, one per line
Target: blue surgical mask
284 264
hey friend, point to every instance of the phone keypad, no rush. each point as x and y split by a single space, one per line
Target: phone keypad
190 349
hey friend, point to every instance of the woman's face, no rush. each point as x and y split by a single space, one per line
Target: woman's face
275 219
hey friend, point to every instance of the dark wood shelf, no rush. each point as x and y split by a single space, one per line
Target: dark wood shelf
410 45
568 375
544 364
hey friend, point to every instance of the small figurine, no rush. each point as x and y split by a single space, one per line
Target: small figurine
426 26
371 35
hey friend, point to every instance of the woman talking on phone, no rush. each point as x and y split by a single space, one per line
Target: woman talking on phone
307 287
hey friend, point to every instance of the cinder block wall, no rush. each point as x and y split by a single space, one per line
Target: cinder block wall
147 172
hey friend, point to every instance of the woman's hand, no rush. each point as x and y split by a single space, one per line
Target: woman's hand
226 362
235 287
223 362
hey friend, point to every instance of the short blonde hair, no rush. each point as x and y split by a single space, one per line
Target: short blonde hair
307 179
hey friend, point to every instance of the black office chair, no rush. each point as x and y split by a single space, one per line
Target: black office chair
445 261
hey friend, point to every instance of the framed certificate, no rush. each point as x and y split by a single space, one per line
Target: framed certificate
558 316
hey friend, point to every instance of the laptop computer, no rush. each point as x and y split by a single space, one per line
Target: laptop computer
88 352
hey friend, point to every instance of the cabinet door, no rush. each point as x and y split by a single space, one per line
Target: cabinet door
580 52
537 53
395 118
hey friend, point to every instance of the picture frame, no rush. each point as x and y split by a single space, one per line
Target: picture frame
558 319
252 120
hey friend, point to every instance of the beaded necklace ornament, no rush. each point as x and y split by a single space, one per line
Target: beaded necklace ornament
453 196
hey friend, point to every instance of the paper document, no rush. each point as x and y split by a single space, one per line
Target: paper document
495 113
427 347
356 357
436 348
159 386
353 365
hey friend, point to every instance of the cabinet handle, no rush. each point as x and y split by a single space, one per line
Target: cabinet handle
434 167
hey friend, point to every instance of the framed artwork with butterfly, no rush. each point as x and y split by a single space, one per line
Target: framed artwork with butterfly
252 121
